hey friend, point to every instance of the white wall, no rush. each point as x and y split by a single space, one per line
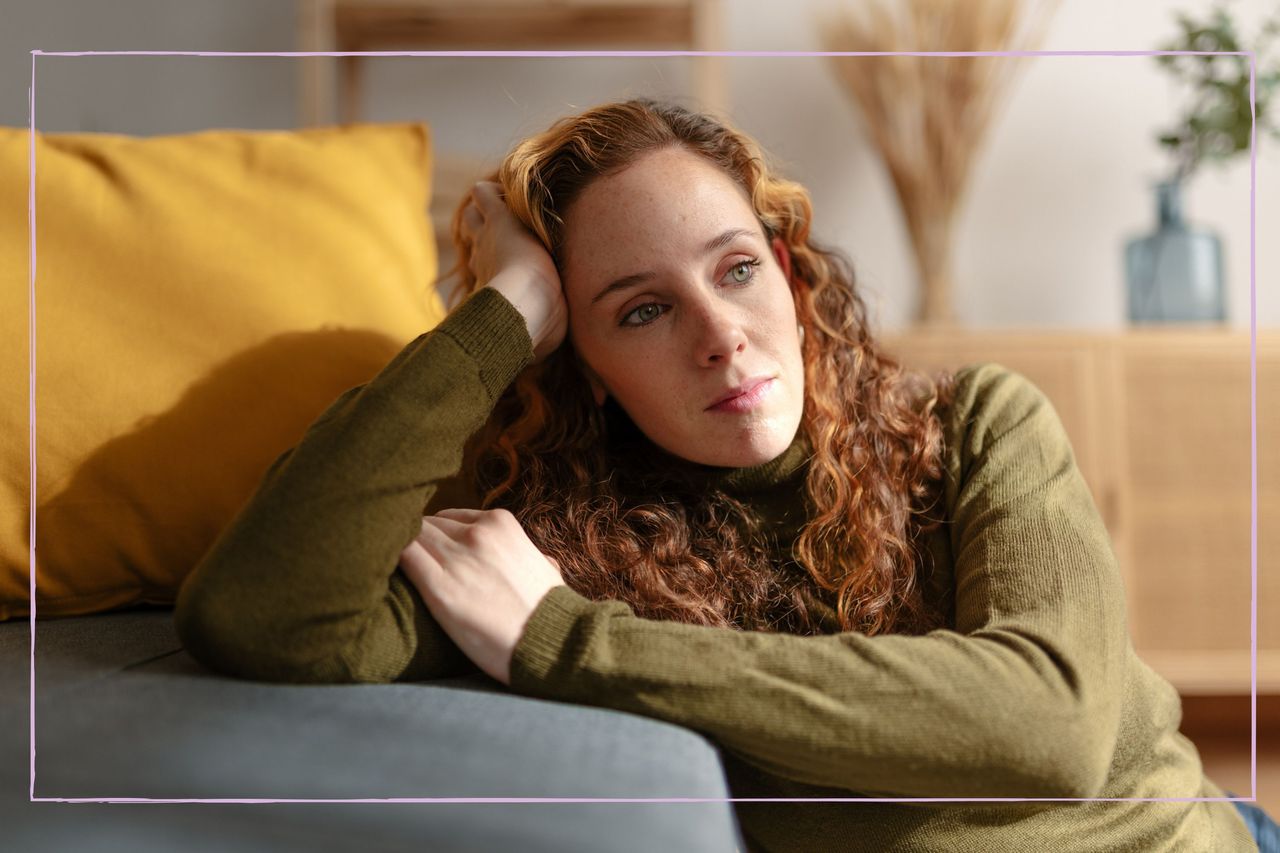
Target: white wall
1064 179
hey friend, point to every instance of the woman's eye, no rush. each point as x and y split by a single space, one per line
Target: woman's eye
740 273
743 271
648 317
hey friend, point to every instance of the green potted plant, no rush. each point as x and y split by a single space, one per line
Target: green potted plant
1175 274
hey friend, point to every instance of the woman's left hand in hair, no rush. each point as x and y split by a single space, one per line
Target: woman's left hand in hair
481 577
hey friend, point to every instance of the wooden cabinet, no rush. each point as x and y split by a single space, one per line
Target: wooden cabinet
1160 422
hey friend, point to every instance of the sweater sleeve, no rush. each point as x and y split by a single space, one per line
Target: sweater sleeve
303 585
1020 699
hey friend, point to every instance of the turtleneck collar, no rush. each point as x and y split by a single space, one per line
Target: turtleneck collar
751 479
666 467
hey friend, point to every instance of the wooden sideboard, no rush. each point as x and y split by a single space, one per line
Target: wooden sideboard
1159 419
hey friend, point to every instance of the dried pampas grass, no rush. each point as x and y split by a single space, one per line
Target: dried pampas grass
928 115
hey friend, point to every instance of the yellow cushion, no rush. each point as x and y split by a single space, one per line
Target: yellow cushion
200 299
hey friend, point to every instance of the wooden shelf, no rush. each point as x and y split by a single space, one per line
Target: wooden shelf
377 25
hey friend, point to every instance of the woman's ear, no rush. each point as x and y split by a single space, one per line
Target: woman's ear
597 390
783 255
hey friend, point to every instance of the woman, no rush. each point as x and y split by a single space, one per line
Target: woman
667 470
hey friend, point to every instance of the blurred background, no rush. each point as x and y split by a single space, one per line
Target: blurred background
1040 174
1062 178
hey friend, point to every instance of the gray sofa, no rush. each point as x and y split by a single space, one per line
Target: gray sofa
122 711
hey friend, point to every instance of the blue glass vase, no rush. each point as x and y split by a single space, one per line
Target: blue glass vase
1175 274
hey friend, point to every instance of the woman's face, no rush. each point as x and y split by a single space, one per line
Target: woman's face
675 300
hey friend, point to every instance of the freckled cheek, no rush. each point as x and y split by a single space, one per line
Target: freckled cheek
782 303
640 380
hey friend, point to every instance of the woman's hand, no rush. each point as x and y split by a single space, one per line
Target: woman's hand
506 256
481 578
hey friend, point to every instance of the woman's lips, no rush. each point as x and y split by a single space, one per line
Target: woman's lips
744 402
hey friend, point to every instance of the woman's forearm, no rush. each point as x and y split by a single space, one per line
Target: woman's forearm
1022 699
304 585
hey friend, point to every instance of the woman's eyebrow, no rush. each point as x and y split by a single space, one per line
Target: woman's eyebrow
629 281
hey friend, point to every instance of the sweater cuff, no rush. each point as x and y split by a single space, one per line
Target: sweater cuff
494 333
545 652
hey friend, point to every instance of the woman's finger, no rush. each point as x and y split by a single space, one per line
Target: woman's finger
423 570
487 193
442 524
472 221
451 523
417 560
461 513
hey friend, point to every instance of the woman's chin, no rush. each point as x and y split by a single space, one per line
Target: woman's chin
752 451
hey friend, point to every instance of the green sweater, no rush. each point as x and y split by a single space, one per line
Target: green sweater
1032 691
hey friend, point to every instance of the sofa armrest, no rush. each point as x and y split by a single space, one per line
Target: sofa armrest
127 713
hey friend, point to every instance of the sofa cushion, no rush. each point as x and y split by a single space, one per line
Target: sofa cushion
199 299
122 711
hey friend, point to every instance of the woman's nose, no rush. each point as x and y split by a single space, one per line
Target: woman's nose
720 333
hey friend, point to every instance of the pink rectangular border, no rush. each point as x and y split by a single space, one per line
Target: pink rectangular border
1253 411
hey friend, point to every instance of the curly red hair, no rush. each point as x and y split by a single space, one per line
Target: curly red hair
702 556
